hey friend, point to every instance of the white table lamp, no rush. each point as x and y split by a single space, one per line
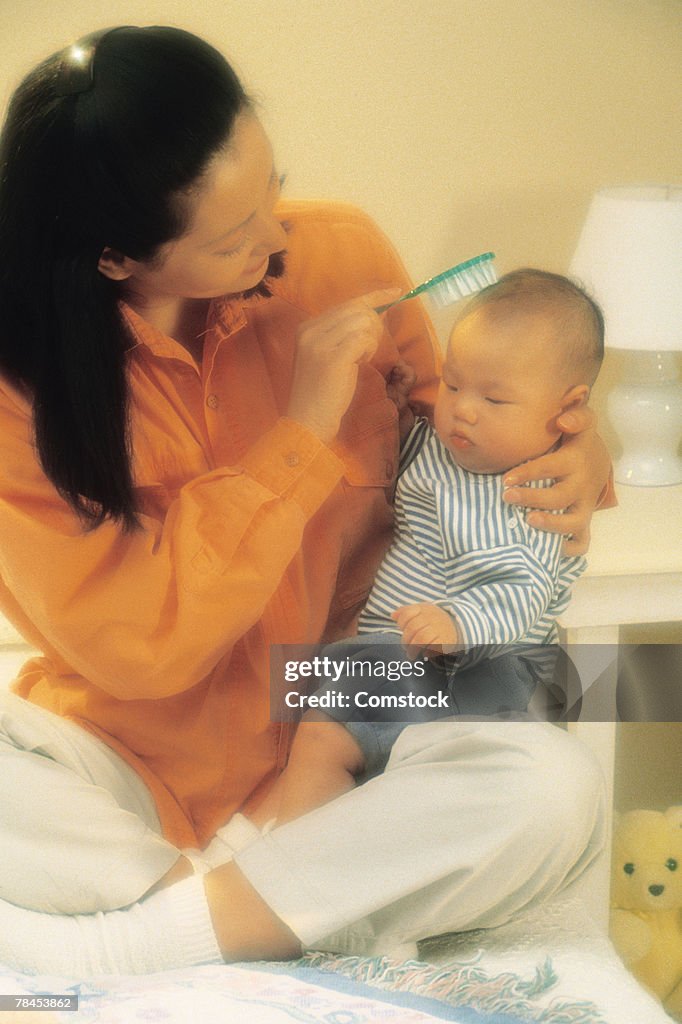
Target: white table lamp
629 257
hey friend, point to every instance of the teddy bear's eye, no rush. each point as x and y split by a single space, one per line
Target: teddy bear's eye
671 864
629 869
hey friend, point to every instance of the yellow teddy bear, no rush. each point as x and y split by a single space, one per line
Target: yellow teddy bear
646 900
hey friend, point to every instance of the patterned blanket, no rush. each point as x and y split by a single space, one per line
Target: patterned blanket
514 987
554 966
318 988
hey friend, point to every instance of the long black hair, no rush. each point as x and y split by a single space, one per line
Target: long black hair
96 156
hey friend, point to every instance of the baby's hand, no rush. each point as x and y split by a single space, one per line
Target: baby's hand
399 383
427 627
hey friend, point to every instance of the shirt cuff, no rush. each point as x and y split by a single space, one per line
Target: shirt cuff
292 462
472 625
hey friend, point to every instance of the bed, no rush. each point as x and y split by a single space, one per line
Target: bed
472 980
556 966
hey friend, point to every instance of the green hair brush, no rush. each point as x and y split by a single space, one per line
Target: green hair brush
456 283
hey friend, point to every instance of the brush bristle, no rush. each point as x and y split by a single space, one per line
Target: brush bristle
460 282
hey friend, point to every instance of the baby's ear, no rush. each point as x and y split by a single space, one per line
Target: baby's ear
576 396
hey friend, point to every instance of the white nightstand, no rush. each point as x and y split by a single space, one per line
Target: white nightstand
634 576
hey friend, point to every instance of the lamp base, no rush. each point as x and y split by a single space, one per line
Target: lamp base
648 419
651 471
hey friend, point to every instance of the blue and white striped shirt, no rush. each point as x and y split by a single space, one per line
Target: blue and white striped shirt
458 545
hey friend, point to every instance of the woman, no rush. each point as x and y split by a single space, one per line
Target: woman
197 451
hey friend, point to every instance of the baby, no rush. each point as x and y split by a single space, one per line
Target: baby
467 580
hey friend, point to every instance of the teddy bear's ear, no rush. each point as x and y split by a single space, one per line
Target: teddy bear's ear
674 816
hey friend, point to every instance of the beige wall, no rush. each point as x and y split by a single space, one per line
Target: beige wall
648 773
461 125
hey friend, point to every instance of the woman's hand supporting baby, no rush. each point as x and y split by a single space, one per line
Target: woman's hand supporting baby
580 466
399 383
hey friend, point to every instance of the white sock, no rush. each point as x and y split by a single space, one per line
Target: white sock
171 928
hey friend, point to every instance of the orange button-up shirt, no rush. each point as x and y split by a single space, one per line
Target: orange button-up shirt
255 532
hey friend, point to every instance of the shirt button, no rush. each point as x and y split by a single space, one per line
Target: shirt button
292 458
213 401
513 523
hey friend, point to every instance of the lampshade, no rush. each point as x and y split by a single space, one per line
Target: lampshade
629 257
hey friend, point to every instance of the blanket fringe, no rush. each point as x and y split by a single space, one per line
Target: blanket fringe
462 984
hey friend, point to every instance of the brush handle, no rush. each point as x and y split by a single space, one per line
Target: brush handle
434 282
408 295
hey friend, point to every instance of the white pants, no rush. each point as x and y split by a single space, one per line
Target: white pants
470 823
80 829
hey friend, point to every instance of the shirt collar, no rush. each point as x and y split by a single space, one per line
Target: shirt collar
226 315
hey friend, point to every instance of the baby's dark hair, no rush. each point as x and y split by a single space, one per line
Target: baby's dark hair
578 319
